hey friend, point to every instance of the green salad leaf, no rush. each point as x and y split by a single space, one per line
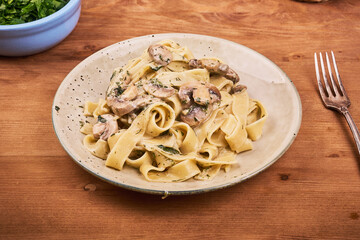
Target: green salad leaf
22 11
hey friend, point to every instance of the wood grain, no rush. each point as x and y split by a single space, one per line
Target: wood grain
312 192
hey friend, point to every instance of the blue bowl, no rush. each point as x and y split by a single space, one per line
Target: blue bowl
37 36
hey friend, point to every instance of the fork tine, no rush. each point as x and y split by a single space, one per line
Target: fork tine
338 75
327 86
321 88
331 75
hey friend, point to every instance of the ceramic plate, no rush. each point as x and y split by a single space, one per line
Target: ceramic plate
265 81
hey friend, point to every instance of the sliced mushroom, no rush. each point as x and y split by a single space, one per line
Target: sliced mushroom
185 94
215 95
197 101
210 64
237 88
232 75
160 54
201 95
196 114
199 92
130 93
105 127
144 100
120 106
215 66
158 89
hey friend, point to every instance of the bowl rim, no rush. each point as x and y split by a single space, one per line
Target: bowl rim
42 21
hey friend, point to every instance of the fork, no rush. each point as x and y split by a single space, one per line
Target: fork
334 96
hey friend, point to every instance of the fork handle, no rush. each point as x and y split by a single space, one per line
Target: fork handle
354 129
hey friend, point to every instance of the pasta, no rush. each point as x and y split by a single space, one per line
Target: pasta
173 117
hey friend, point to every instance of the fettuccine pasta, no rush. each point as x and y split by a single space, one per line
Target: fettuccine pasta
173 117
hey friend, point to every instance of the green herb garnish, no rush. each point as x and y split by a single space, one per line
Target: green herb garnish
101 119
164 133
156 68
113 75
169 149
22 11
118 91
157 83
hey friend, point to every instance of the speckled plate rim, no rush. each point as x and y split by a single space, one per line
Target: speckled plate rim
166 193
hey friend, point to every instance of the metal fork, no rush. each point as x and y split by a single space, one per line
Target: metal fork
334 97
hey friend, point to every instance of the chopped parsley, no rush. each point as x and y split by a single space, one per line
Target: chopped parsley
156 68
113 75
101 119
118 90
157 83
162 59
168 149
164 133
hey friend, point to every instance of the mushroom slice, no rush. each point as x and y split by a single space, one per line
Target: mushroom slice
120 106
121 103
185 93
144 100
196 115
201 93
158 89
232 75
105 127
197 100
160 54
130 93
237 88
215 95
210 64
215 66
194 90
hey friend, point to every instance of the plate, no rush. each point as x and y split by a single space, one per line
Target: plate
265 81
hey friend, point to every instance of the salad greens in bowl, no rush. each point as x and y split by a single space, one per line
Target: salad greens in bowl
31 26
22 11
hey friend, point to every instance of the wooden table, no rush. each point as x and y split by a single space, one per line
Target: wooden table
312 192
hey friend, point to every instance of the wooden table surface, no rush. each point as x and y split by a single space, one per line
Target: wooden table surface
312 192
